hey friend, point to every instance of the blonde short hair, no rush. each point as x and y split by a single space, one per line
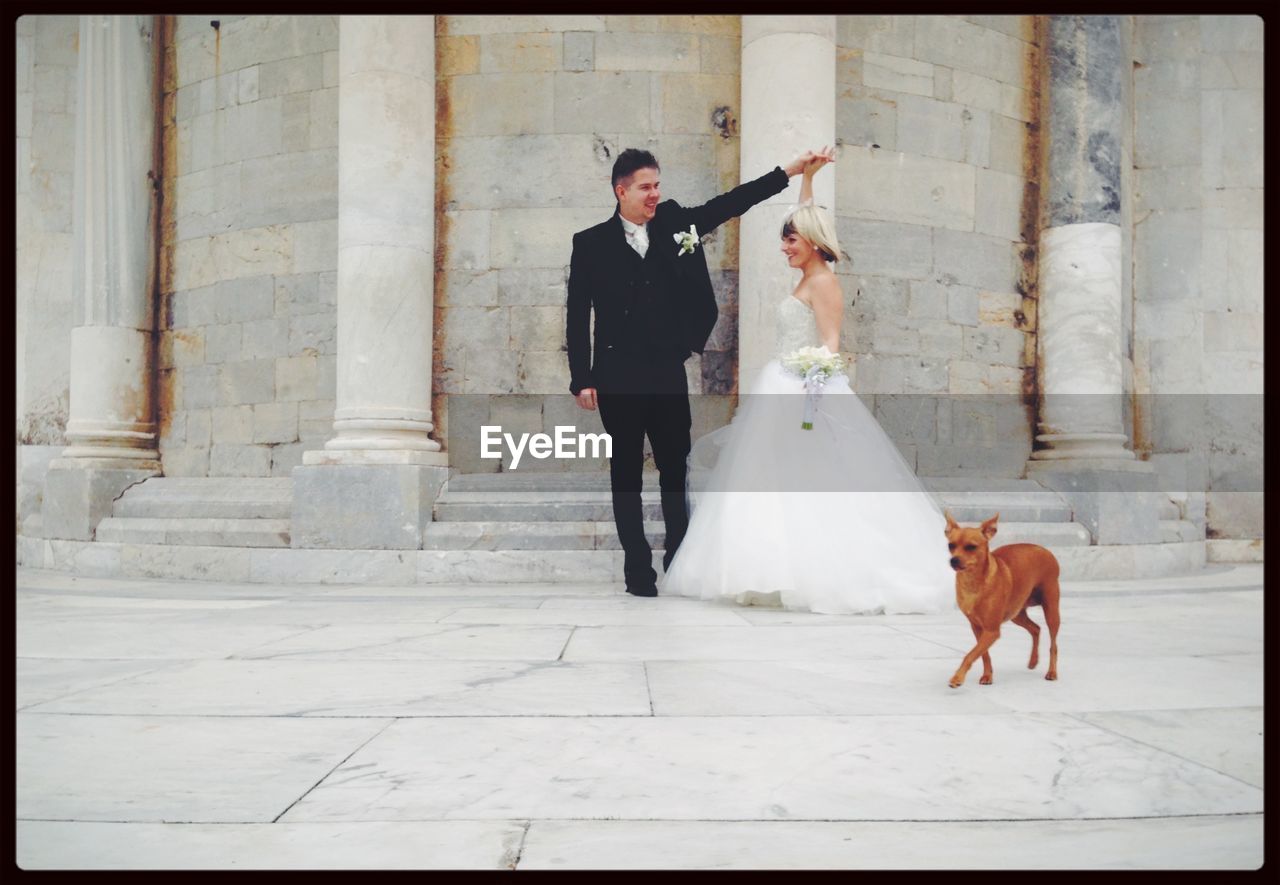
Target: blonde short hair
816 226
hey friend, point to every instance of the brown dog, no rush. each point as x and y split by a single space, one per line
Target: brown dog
997 586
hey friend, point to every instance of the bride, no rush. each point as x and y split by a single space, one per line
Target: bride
829 519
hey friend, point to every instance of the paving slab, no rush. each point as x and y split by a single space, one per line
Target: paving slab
39 680
630 616
873 687
1208 843
183 769
329 688
138 638
356 642
757 643
174 724
417 845
1178 634
766 768
1227 740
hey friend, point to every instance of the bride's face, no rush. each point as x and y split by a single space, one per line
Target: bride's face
797 249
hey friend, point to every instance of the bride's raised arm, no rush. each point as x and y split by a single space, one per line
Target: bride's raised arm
820 159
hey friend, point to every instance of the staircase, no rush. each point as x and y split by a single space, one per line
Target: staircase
527 527
226 511
545 524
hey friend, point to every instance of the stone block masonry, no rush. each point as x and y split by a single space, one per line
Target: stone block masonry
251 243
933 187
1198 250
533 112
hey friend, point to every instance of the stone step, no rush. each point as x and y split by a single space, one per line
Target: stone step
586 535
600 568
986 485
599 482
1014 507
602 535
1169 509
219 497
210 481
217 532
1173 530
533 512
537 482
220 488
177 507
597 507
1079 561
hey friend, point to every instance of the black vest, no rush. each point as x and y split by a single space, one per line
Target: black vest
653 322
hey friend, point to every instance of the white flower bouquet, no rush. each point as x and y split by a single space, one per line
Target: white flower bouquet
815 366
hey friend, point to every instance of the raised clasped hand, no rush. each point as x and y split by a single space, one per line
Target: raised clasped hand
815 160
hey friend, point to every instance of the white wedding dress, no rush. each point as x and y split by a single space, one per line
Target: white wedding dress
824 520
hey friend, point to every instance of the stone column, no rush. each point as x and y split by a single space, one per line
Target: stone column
111 433
1081 337
788 106
375 481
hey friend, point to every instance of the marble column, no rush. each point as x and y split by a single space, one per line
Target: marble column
788 106
374 482
1081 333
111 434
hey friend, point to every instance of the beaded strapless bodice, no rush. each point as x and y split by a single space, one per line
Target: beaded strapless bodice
795 326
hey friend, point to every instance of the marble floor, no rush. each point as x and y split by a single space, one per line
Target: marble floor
176 725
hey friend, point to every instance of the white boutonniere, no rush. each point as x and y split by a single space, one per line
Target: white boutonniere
688 240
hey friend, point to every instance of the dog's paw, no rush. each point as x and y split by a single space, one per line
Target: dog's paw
1052 677
985 680
955 683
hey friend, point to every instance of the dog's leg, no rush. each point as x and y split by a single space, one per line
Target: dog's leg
986 657
984 642
1049 591
1033 628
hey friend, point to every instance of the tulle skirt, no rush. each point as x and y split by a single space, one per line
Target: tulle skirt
830 520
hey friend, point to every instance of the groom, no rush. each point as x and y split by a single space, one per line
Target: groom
654 306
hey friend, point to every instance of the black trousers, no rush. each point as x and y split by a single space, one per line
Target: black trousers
665 418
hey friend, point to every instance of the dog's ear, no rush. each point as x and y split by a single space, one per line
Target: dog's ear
989 527
952 525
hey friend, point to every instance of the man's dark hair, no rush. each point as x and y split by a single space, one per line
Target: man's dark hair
631 160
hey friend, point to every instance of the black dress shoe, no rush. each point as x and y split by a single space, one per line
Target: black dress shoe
650 590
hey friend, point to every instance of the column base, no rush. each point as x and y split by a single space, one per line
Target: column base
1082 446
369 506
78 494
1118 501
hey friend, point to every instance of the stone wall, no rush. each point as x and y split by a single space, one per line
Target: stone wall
1198 259
533 112
246 352
935 202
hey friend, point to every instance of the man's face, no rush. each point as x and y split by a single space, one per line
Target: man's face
638 199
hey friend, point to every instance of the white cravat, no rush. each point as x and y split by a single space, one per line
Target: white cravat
637 235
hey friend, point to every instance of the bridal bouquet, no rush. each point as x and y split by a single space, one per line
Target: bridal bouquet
815 366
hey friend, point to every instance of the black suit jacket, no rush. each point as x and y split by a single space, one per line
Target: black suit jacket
597 281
